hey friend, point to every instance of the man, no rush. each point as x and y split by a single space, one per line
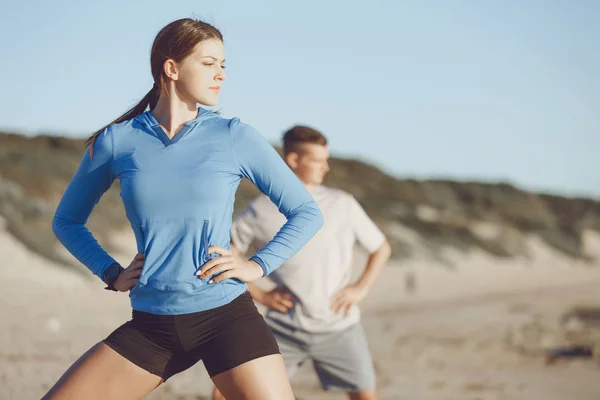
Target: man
313 309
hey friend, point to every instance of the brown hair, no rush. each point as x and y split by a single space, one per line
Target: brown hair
299 135
175 41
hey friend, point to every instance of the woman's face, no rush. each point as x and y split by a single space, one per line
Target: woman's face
200 75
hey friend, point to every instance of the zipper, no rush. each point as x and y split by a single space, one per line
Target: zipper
143 279
205 255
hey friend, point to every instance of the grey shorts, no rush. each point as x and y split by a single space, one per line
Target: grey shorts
341 359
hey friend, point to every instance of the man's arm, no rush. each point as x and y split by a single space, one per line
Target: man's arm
354 293
371 238
374 265
277 299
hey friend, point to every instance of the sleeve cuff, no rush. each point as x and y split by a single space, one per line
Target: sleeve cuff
107 264
262 264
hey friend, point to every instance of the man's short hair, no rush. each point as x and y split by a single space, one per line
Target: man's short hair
294 137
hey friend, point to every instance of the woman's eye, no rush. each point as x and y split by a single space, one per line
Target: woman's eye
213 64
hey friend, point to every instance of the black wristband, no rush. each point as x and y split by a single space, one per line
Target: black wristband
110 275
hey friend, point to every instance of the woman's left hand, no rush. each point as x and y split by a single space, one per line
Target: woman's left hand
230 266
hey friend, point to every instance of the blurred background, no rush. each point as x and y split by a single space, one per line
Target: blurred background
468 130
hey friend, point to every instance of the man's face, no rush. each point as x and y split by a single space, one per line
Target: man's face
309 162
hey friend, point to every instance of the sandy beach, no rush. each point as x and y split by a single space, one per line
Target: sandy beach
474 331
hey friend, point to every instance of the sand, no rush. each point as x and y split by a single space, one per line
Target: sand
456 337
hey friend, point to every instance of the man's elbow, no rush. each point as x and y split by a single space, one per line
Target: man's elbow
385 250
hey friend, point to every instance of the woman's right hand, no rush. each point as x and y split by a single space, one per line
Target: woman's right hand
130 275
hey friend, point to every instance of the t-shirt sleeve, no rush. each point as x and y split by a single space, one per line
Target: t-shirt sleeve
243 229
93 177
365 230
258 161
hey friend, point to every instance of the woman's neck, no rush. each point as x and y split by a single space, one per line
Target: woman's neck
171 113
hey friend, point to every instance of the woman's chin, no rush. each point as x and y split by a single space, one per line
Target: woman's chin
209 102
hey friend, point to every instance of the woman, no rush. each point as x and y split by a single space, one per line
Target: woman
179 167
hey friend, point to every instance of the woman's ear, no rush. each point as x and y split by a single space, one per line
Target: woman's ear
171 69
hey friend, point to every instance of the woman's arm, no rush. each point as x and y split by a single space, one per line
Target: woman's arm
258 161
93 177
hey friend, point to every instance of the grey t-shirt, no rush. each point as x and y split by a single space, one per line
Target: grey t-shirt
323 266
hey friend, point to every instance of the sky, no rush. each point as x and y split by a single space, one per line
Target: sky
469 90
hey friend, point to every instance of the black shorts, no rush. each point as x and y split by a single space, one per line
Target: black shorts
222 338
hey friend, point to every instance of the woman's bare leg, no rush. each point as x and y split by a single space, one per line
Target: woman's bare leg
216 395
103 374
263 378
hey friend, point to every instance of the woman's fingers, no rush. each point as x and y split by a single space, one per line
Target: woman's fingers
216 266
219 250
137 262
130 283
225 275
218 270
136 265
211 264
135 274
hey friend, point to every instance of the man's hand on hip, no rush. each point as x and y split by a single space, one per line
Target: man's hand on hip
347 297
279 299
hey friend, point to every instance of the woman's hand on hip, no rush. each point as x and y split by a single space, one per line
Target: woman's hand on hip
229 266
130 275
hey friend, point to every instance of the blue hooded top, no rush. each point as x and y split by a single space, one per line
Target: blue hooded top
178 195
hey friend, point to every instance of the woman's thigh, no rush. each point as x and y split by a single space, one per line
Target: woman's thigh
102 373
263 378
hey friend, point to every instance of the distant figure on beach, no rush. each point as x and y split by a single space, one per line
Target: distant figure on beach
313 311
410 282
570 352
